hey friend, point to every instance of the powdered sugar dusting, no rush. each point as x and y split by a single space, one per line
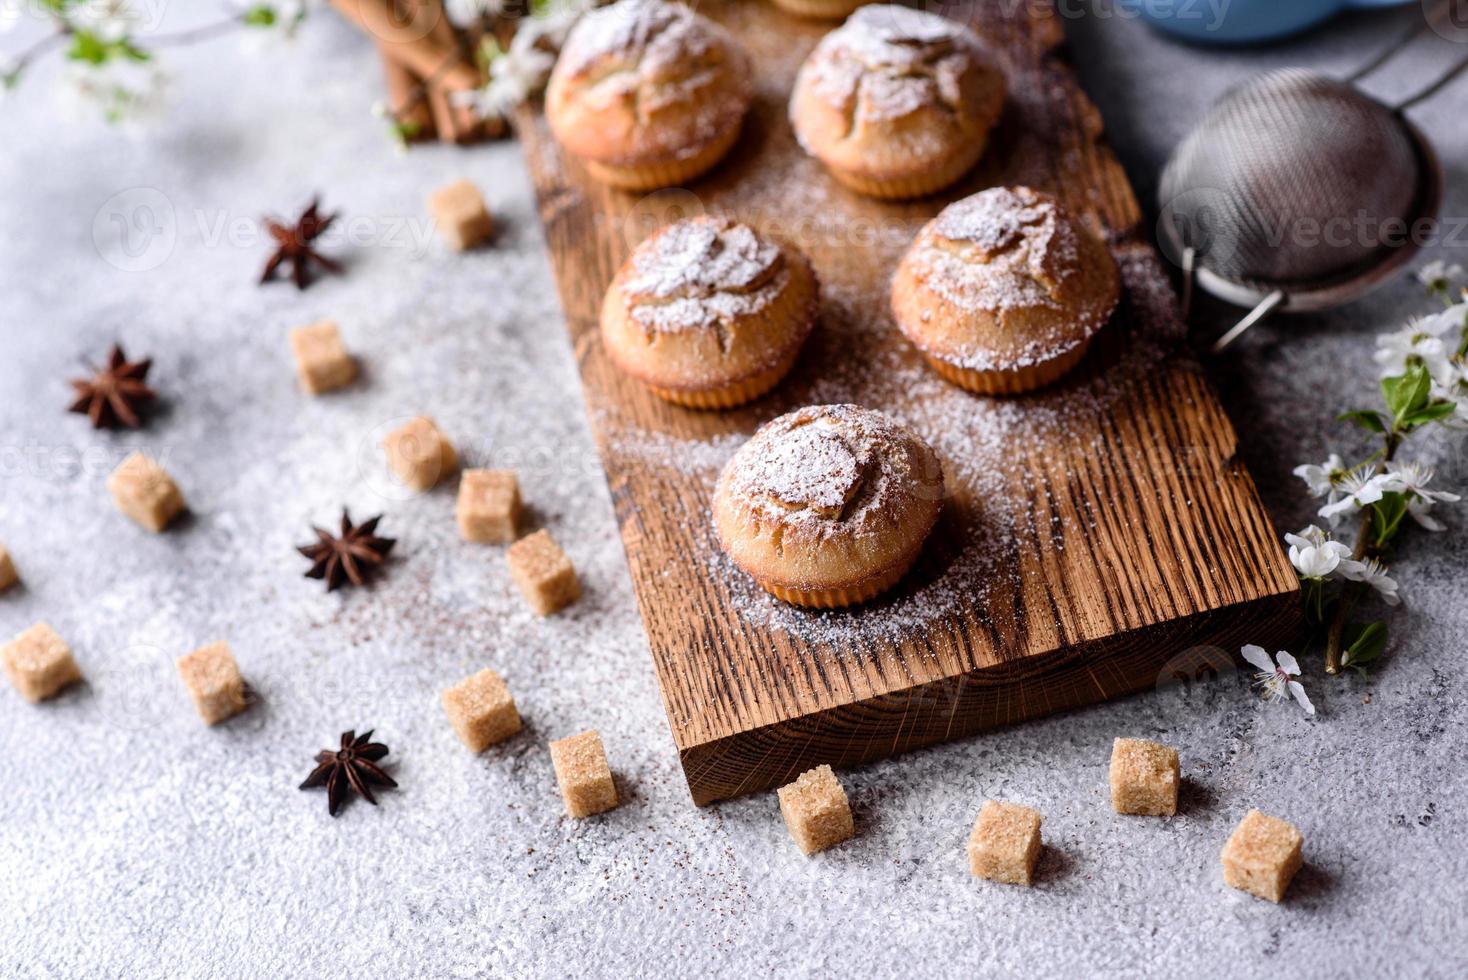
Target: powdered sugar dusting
652 33
999 249
701 272
969 560
822 468
889 61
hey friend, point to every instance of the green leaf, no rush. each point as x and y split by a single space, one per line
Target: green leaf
90 49
260 16
1365 645
1365 418
489 49
87 47
1439 409
1406 393
1386 516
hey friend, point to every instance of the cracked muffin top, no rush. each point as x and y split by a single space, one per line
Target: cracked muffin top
897 97
646 83
709 305
1004 282
828 499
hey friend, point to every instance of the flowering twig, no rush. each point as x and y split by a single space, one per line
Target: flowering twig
1424 384
114 66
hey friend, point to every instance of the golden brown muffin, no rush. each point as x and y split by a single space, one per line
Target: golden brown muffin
897 102
648 94
820 9
708 313
1003 291
829 505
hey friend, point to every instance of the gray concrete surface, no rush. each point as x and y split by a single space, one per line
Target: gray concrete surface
136 843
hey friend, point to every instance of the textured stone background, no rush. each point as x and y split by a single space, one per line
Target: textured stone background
133 842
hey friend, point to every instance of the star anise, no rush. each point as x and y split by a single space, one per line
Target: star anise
351 767
293 245
351 556
115 395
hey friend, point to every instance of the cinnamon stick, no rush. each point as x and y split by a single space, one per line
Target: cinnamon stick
406 98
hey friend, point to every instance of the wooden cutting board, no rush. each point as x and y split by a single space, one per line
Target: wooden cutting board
1096 531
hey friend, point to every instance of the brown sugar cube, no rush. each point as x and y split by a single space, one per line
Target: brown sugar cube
1144 777
39 663
543 573
145 492
213 679
321 360
481 710
420 454
815 810
8 575
1005 843
1262 856
583 774
489 506
461 215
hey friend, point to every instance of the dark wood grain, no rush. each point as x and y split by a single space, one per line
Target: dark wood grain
1095 530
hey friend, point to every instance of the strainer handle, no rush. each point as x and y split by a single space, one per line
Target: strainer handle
1266 306
1435 11
1434 86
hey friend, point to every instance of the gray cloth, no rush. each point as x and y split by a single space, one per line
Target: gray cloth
135 842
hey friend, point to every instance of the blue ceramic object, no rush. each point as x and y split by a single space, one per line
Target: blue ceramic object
1242 21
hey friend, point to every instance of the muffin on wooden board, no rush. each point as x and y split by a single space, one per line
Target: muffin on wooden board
648 94
820 9
1003 291
708 313
896 102
828 505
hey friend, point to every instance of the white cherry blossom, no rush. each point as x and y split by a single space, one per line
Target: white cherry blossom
1439 276
1422 340
1276 678
1316 556
1358 488
1414 478
1321 479
1373 573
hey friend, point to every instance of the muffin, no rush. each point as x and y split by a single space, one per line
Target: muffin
648 94
708 313
897 102
829 505
1003 291
820 9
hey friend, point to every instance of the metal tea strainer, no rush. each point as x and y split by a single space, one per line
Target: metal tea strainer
1297 191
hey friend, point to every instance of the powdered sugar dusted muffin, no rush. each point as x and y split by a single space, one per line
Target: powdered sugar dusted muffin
897 102
708 313
648 94
829 505
820 9
1003 291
